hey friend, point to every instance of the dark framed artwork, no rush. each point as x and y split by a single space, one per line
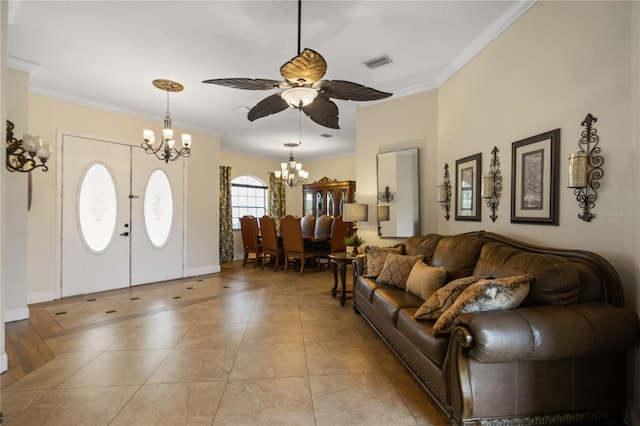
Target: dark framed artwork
468 171
534 179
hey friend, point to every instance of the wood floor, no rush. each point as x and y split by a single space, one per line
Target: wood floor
243 347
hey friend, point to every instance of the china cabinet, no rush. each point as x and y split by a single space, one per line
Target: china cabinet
326 196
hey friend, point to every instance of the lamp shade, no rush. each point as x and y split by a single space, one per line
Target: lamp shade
354 212
383 213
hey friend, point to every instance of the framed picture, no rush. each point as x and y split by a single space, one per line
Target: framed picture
468 171
534 179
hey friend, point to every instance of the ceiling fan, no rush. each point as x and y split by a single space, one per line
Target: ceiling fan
304 88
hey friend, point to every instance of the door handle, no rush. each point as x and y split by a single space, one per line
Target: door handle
124 234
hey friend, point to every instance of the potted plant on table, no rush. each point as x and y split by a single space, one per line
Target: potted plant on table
352 242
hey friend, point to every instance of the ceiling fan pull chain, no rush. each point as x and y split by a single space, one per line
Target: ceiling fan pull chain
299 21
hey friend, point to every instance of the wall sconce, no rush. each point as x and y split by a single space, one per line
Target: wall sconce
444 192
22 153
383 216
386 196
585 169
492 184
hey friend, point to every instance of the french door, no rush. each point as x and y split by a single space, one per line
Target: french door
122 217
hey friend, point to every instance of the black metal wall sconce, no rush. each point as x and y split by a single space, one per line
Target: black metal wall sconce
22 153
492 184
444 193
386 196
585 169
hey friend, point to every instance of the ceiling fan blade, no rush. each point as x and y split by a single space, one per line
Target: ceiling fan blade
306 68
246 83
269 105
323 111
348 91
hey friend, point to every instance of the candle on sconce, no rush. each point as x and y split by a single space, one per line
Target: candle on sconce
443 193
486 190
578 170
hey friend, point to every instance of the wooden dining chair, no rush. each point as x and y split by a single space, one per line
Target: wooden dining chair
250 240
270 244
322 229
339 230
308 225
294 247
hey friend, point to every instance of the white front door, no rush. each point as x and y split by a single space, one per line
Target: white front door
157 219
95 215
122 217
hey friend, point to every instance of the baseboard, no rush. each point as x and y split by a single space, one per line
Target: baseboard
202 271
43 296
11 315
4 362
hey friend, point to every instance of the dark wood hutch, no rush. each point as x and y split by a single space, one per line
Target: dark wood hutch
326 196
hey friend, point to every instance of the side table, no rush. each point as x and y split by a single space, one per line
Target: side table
339 262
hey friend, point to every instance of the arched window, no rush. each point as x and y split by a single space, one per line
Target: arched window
248 197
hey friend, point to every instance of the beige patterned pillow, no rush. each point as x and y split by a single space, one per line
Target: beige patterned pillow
443 298
375 259
424 280
396 269
485 295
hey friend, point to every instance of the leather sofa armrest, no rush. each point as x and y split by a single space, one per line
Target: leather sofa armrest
548 332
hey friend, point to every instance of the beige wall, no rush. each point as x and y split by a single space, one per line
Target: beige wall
558 62
48 117
3 116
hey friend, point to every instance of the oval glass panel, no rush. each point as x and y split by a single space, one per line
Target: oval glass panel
158 208
97 207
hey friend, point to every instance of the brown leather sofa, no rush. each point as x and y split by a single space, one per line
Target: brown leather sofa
559 358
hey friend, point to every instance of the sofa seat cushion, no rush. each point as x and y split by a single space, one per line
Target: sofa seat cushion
388 300
366 287
420 333
458 254
556 280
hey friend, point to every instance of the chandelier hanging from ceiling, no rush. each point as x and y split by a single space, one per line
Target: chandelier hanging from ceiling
291 173
165 149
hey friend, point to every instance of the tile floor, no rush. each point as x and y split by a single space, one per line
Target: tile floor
243 347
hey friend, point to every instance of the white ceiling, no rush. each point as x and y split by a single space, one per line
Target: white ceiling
106 53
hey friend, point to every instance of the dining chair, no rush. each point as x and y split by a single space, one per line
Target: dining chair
308 225
270 244
339 230
294 247
250 240
322 229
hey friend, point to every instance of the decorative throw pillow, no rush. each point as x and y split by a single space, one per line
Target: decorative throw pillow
485 295
375 259
424 280
396 269
443 298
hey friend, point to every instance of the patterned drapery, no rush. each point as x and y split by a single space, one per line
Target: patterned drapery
278 202
226 223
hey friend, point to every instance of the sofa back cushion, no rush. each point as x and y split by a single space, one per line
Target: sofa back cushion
458 254
556 280
422 246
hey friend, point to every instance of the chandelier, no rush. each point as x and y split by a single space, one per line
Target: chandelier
291 173
165 148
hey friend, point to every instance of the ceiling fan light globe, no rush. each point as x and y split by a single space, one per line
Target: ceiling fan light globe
299 97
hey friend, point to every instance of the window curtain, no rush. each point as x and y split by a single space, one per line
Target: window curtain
278 201
226 223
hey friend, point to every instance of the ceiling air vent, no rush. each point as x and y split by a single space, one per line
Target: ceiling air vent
378 62
326 135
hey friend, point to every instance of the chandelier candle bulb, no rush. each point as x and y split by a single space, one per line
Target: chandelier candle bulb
186 140
31 143
578 170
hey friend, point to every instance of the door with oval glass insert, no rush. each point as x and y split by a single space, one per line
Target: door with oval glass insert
156 212
95 212
122 214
